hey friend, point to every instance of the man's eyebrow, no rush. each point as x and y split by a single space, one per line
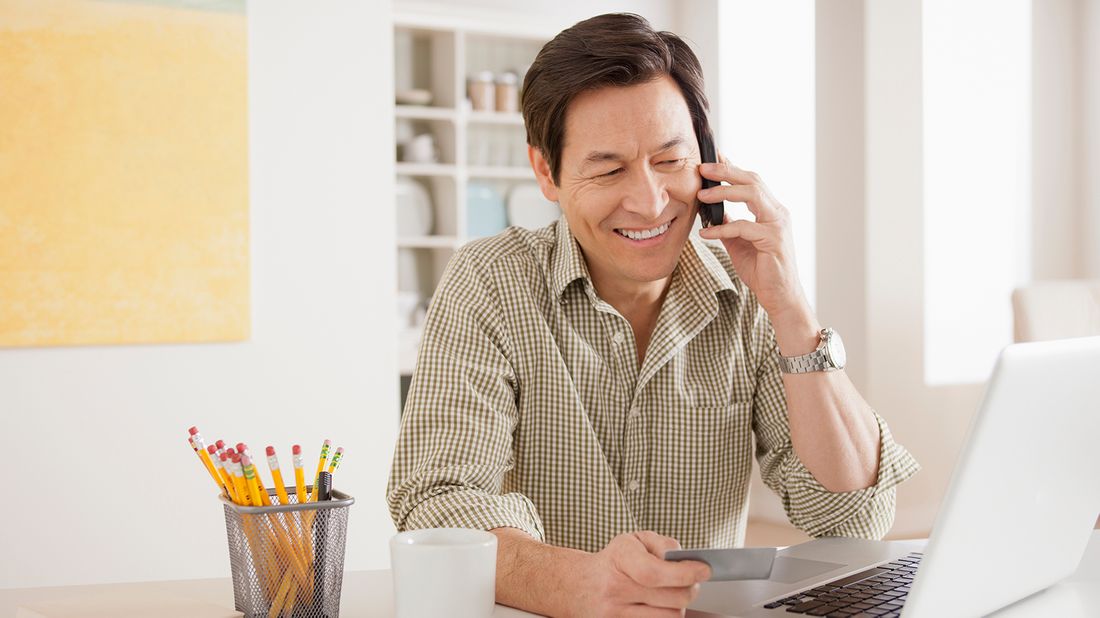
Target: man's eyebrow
672 143
600 156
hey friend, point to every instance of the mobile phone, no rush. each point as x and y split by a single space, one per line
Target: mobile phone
709 213
730 564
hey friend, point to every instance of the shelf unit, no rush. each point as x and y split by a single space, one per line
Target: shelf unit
475 148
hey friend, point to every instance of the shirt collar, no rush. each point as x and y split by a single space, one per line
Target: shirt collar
704 271
700 267
567 264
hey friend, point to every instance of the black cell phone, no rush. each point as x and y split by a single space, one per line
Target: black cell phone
712 213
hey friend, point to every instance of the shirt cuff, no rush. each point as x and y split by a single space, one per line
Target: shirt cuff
476 510
820 512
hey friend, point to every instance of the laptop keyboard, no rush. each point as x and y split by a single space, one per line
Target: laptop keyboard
878 591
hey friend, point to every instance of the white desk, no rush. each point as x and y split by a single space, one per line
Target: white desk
369 594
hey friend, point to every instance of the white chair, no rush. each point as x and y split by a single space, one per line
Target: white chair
1056 310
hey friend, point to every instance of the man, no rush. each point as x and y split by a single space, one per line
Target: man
589 392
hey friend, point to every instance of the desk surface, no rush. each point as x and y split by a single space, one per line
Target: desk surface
370 593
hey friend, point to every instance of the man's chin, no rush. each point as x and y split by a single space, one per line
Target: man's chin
647 273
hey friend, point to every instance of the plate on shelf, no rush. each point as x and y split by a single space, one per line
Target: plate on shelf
529 209
413 96
414 208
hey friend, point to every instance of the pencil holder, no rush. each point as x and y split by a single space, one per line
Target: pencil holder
288 560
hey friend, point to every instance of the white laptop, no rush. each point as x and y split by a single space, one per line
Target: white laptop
1016 518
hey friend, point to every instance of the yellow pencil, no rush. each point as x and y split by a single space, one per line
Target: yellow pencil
304 538
292 524
321 461
243 497
227 477
200 448
212 451
299 474
280 597
277 475
265 500
336 460
250 478
280 535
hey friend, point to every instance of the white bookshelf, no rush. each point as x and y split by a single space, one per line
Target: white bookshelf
439 53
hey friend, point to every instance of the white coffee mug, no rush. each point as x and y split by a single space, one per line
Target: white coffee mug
444 572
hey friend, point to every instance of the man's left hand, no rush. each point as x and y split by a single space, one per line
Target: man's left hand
762 252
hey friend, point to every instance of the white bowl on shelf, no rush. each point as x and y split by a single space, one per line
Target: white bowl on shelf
413 96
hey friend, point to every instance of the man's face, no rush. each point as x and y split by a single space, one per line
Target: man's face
628 179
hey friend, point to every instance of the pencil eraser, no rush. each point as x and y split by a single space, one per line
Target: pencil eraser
340 451
270 451
224 456
193 430
231 451
296 449
245 461
220 444
235 457
212 449
328 442
241 447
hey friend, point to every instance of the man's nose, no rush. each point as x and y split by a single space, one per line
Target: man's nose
646 195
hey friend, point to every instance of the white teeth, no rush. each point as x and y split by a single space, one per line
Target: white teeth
644 234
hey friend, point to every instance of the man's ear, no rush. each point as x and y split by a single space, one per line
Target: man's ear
542 173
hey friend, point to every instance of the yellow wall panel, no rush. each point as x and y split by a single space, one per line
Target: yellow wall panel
123 173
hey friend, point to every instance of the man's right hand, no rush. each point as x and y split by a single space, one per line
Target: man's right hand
630 577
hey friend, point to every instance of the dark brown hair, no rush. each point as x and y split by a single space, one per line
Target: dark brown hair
616 49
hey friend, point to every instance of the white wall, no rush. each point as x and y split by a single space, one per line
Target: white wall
841 179
1056 118
766 102
1089 38
977 180
543 15
101 483
929 422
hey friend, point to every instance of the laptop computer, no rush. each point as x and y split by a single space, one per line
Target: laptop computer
1016 518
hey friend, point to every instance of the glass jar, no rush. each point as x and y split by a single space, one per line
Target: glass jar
480 89
507 93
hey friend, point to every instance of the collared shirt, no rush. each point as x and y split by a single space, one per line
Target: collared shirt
529 409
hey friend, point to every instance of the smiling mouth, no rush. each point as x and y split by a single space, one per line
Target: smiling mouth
644 234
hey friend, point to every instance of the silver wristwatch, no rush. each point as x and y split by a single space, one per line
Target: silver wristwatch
829 356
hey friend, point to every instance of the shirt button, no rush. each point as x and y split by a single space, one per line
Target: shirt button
617 338
633 485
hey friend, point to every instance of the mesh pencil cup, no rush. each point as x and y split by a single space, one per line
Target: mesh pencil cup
288 560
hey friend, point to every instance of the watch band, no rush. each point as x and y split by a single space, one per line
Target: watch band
807 363
818 360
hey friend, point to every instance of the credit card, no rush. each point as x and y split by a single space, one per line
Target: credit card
730 564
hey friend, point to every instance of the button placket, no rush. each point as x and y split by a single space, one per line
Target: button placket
634 458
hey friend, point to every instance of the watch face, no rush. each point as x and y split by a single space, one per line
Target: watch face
836 352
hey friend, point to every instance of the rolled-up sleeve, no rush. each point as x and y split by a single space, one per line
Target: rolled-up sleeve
866 513
455 442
